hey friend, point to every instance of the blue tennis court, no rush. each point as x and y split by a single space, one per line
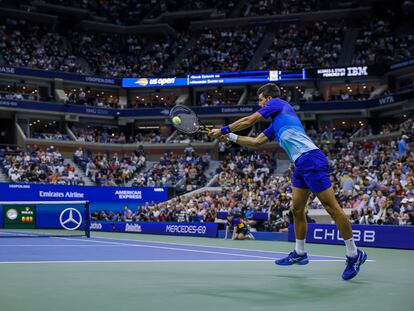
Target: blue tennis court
121 271
67 249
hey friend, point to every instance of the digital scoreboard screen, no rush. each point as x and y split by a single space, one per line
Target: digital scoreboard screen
19 216
217 79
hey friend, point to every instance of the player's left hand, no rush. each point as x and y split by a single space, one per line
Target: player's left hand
215 133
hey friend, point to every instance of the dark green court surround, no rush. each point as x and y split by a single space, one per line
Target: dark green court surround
383 284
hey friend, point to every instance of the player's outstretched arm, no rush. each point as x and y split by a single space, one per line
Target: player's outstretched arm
234 233
227 232
250 142
238 125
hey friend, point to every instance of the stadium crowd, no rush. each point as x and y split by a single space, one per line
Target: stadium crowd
26 44
380 42
110 169
36 165
185 172
301 45
274 7
115 136
295 45
114 55
221 51
91 97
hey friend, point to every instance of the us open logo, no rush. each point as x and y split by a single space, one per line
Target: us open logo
142 82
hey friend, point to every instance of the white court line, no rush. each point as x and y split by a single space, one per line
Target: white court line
195 251
57 245
148 261
172 248
220 247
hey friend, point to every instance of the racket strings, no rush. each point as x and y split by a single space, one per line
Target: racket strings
189 121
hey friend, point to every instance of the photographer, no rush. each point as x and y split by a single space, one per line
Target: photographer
277 223
368 218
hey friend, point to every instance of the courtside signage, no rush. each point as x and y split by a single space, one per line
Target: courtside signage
166 228
364 235
35 192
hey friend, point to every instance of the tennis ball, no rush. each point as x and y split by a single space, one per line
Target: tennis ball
176 120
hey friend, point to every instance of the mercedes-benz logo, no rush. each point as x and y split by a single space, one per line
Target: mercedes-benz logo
70 222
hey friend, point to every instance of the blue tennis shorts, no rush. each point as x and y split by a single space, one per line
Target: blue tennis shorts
312 171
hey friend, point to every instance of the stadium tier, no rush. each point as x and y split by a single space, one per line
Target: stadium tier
301 120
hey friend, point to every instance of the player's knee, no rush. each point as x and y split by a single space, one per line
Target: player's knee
298 212
332 209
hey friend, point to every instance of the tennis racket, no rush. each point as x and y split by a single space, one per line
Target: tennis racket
190 123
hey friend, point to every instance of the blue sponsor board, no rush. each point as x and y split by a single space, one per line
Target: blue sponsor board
364 235
52 216
404 64
93 194
153 82
199 229
55 216
57 74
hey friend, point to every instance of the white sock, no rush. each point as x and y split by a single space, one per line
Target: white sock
351 249
300 247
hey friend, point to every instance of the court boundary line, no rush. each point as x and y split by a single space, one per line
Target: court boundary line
173 248
204 251
220 247
150 261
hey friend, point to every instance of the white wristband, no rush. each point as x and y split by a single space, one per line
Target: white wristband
233 137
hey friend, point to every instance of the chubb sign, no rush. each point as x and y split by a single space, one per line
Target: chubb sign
367 236
364 235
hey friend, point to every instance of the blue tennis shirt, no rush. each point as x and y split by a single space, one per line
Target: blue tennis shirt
286 128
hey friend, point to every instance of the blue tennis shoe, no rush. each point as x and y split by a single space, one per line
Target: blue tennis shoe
293 259
353 265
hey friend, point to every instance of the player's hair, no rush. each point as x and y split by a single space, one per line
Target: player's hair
269 89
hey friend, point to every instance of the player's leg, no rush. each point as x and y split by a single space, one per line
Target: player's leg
331 205
299 199
355 257
298 256
240 236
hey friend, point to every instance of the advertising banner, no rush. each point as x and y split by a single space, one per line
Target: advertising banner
19 216
56 216
9 70
200 229
364 235
93 194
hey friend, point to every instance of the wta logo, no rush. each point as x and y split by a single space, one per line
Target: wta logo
142 82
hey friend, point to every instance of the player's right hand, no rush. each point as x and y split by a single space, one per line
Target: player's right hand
215 133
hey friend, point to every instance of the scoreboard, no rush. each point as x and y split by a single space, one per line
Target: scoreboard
19 216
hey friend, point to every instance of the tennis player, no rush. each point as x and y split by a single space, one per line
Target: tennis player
311 173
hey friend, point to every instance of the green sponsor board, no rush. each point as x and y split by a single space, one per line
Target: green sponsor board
19 216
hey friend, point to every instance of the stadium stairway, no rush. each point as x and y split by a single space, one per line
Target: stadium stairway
261 50
282 167
179 57
3 177
88 181
349 42
212 168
